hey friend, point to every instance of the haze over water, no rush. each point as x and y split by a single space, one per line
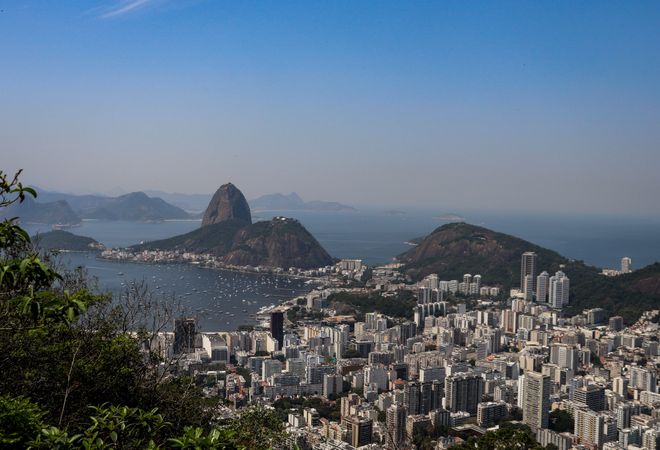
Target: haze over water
374 236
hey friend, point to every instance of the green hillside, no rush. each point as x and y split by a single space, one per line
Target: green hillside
458 248
63 240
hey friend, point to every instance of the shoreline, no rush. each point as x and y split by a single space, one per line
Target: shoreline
204 266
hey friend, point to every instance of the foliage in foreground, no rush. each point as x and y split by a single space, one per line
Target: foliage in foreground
506 438
79 372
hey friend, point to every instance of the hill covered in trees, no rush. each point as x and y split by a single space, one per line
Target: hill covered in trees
64 240
458 248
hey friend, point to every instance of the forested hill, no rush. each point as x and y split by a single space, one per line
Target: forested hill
458 248
64 240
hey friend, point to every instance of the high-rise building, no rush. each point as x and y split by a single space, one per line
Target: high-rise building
528 287
565 356
396 425
509 321
536 400
542 286
616 323
440 418
626 265
185 330
411 397
417 424
643 378
277 327
620 386
593 396
528 267
559 287
361 430
624 411
463 392
489 413
349 402
650 439
332 384
594 428
270 367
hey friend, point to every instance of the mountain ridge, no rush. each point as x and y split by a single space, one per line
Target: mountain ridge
53 212
134 206
293 202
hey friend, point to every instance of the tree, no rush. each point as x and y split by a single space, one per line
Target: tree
257 428
79 369
20 421
561 420
505 438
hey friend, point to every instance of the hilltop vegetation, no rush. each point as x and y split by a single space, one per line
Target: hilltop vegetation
458 248
63 240
399 306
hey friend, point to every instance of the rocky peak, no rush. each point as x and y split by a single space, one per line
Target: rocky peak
228 203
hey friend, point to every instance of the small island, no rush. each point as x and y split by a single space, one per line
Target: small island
61 240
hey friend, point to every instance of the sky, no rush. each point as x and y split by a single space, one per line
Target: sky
522 105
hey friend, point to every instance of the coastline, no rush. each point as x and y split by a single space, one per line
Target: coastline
228 268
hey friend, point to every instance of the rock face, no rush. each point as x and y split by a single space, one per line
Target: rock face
227 232
228 203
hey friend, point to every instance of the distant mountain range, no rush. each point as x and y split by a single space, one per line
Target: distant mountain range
293 202
53 212
70 209
195 203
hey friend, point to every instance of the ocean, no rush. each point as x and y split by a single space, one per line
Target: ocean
374 236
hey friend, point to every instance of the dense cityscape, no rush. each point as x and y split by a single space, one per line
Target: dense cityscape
334 225
469 361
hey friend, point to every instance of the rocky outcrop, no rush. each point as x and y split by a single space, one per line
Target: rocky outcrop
228 204
227 232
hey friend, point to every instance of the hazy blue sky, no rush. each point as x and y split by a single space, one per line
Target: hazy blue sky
542 105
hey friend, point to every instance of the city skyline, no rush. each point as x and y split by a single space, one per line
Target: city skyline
505 106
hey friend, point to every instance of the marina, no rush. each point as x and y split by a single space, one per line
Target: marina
221 300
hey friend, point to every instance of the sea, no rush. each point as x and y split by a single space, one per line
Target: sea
224 300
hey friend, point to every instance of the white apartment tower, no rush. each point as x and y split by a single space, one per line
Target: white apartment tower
559 287
536 400
542 285
626 265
